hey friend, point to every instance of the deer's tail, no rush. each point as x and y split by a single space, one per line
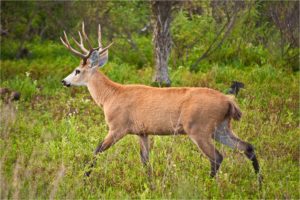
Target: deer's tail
234 111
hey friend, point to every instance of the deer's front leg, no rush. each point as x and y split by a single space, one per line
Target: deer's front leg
145 148
112 138
144 145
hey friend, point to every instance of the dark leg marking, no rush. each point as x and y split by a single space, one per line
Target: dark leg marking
226 137
93 163
215 164
207 147
251 155
109 140
144 149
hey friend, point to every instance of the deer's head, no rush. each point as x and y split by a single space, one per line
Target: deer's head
91 59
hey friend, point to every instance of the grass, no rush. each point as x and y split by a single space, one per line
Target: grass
50 134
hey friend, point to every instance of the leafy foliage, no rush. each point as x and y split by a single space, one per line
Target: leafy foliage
257 36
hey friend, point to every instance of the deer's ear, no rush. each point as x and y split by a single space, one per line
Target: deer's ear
94 59
98 60
103 58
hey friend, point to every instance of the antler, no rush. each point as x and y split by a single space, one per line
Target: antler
86 37
80 44
66 43
99 36
99 41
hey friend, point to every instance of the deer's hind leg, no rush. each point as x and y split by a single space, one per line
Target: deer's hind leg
202 138
224 135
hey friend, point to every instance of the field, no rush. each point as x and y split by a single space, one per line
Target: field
48 137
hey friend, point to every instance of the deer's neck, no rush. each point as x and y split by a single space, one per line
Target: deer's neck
101 88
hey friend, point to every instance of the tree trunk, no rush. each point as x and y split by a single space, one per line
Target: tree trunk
161 11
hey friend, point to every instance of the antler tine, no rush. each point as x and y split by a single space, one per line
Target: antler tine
104 49
99 36
66 43
86 38
63 42
81 45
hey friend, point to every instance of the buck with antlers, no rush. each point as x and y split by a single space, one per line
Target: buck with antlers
202 114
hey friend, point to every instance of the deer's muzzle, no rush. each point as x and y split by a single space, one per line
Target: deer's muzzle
65 83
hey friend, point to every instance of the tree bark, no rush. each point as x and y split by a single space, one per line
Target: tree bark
161 20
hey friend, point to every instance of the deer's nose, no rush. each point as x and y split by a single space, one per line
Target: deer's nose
65 83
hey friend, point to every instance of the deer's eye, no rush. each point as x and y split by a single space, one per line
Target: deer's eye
77 71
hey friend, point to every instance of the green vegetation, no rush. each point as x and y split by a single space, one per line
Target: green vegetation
48 137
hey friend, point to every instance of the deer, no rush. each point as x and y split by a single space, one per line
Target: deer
203 114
